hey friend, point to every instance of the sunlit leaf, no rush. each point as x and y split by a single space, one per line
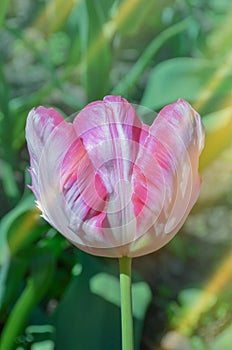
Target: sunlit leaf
6 223
190 297
218 135
20 227
43 345
204 83
112 293
141 294
178 77
54 15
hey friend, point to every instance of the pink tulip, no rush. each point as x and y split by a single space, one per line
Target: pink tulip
110 184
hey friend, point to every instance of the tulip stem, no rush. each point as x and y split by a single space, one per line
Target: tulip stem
126 304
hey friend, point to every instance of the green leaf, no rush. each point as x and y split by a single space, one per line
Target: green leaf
112 293
223 340
190 297
6 223
43 345
198 343
25 229
11 275
218 127
9 183
193 303
42 269
3 10
88 316
133 14
95 49
178 77
18 230
4 270
86 321
6 131
20 227
141 294
143 61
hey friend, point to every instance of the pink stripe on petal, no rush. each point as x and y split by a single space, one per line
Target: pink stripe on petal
86 198
104 120
175 143
112 134
82 187
110 130
140 188
48 138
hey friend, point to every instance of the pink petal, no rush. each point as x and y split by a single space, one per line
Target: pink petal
48 137
84 193
41 122
179 129
112 134
169 162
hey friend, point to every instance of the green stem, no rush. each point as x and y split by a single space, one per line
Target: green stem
126 304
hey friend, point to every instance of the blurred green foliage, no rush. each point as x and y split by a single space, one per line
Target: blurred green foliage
66 54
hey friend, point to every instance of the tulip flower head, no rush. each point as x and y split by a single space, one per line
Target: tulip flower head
112 185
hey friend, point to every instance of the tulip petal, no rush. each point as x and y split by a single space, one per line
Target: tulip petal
175 142
84 194
48 137
112 134
40 124
178 127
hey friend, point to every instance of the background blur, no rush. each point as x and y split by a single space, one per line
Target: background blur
65 53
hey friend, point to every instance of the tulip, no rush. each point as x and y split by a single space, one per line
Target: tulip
112 185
